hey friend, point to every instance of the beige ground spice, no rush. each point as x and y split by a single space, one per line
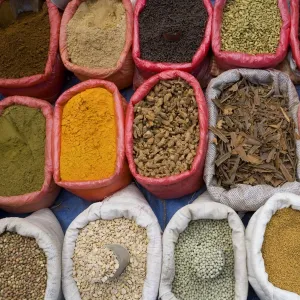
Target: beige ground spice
281 250
96 33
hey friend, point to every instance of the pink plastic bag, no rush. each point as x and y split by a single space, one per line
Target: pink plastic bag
294 39
122 74
47 195
145 69
229 60
98 189
189 181
45 86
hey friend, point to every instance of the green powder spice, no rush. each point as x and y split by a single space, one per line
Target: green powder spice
24 45
251 26
204 262
22 150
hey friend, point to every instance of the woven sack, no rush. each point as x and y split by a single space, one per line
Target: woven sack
199 67
254 240
294 38
122 73
47 195
45 229
177 185
203 208
128 203
245 197
45 86
94 190
229 60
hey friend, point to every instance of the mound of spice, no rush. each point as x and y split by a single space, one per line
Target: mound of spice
24 45
88 136
255 136
22 150
281 250
251 27
96 33
23 272
204 262
129 285
166 130
178 31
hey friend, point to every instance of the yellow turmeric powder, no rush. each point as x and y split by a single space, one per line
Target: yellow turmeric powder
88 136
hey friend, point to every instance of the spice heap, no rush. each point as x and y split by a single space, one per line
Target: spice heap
204 262
23 272
96 33
24 45
255 136
281 250
22 150
101 264
178 31
88 136
251 26
97 234
166 130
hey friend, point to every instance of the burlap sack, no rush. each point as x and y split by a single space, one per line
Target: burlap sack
246 197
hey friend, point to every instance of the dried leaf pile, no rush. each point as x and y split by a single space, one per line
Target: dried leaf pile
166 130
254 136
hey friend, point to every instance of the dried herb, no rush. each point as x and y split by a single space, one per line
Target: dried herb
254 136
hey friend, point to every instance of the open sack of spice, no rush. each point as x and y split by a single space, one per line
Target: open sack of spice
96 40
30 64
166 134
26 177
250 34
30 257
273 241
113 250
294 36
254 144
88 140
204 254
179 40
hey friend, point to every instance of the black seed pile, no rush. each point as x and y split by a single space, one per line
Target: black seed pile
172 30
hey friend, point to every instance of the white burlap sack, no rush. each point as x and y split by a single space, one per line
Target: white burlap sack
245 197
203 208
254 240
44 227
128 203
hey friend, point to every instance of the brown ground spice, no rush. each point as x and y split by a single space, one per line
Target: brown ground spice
24 45
281 250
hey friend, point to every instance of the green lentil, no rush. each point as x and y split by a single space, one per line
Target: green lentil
251 26
204 262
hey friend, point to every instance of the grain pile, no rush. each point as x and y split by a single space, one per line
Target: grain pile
96 34
23 272
96 235
166 130
281 250
251 26
204 262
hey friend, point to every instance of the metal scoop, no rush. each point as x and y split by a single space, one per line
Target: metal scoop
123 258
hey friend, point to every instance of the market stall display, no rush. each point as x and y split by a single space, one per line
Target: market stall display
30 257
124 219
204 253
179 42
166 134
254 144
89 150
29 63
26 183
96 40
272 239
250 34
